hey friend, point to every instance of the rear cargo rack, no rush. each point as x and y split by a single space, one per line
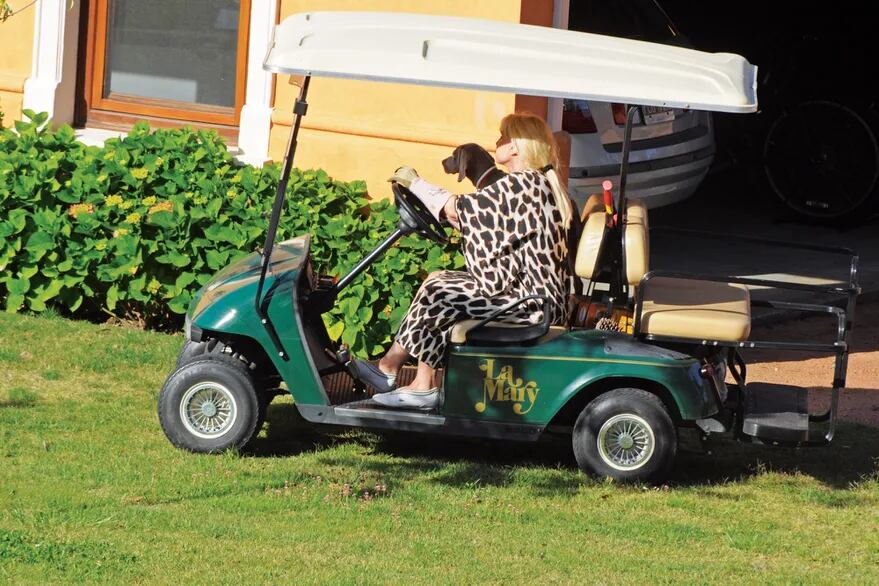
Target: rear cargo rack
776 413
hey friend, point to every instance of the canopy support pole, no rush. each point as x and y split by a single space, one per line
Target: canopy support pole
619 284
624 162
299 110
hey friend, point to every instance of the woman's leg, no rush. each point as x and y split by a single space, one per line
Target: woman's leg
424 330
396 356
394 360
448 297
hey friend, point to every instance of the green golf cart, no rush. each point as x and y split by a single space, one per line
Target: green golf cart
649 354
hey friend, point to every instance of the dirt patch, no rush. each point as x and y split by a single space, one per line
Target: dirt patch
859 402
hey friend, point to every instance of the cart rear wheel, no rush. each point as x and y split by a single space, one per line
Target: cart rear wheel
625 434
209 406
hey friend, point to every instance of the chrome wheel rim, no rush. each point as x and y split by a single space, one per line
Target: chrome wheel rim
626 442
208 410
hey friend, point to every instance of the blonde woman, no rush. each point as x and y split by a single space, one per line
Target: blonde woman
514 240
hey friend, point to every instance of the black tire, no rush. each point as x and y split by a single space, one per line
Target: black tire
257 365
652 426
821 158
221 386
192 351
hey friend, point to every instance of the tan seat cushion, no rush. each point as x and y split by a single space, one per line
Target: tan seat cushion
589 245
460 329
636 233
594 203
688 308
637 241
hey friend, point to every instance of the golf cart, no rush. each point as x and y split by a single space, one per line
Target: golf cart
650 356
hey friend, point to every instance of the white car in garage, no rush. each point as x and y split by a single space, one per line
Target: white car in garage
672 148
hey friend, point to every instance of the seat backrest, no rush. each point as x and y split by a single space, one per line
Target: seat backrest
637 241
636 233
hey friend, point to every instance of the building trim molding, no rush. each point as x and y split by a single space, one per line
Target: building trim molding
52 83
256 116
560 13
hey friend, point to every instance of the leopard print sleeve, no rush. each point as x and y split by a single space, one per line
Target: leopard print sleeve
495 222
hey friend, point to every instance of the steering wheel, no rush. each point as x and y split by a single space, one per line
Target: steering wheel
415 216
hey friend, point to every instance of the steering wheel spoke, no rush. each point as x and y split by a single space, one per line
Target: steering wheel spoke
415 217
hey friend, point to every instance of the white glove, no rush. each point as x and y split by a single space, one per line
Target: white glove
404 176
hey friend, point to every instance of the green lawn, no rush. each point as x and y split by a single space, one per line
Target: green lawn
90 491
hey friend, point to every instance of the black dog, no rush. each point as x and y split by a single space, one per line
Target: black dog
473 162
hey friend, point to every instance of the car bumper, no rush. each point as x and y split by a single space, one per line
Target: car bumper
657 182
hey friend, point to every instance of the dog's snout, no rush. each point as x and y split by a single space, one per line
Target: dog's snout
450 165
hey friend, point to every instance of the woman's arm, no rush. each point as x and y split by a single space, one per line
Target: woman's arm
451 211
438 200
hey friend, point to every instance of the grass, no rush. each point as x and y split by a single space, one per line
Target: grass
91 491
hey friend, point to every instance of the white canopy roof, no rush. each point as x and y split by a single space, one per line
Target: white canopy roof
509 57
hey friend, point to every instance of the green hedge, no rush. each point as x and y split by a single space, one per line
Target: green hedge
135 227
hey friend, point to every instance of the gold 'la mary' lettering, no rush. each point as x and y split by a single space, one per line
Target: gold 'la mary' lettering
504 387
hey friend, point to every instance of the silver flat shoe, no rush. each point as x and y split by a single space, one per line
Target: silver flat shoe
369 373
406 398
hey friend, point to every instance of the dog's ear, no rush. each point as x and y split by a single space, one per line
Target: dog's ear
450 164
462 156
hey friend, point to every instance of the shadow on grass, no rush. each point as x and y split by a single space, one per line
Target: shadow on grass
547 467
20 397
849 458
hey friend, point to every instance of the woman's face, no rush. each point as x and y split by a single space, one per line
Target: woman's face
505 151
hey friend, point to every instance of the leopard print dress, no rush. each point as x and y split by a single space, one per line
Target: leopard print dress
514 245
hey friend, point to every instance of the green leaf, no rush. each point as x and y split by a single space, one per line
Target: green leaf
174 258
14 302
72 299
112 297
126 246
28 272
180 303
183 281
71 280
349 337
39 243
18 286
335 330
219 233
216 259
434 254
68 196
162 219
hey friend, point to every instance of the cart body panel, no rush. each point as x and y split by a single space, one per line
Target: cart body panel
225 306
531 384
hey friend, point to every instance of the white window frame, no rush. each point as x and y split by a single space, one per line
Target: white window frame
51 87
560 11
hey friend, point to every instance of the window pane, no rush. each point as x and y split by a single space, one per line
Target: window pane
182 50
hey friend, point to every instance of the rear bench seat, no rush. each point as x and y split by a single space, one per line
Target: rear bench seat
687 308
683 308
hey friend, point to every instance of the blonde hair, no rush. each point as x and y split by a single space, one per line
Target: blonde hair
537 149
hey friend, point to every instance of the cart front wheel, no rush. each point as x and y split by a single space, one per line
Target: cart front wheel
209 406
625 434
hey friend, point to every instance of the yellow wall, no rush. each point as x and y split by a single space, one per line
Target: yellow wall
16 50
365 130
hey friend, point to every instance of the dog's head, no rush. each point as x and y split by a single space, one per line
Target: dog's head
468 160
